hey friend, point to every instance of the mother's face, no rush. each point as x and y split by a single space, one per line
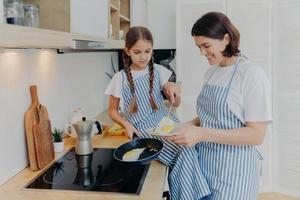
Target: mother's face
212 48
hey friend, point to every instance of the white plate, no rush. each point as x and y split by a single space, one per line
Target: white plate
151 132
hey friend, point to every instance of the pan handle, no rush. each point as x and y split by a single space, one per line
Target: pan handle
134 136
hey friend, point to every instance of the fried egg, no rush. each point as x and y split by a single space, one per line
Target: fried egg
133 155
166 125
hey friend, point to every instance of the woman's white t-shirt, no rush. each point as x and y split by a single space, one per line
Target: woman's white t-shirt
115 86
249 96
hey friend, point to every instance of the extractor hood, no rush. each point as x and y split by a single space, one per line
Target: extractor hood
79 45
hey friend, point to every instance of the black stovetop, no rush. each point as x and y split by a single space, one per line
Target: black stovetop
97 171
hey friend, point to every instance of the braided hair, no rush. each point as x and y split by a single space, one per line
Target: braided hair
133 35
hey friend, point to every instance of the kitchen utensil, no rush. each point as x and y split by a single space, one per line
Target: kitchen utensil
76 116
43 138
84 129
30 120
152 147
37 130
170 108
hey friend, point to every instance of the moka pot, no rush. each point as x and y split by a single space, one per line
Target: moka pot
84 131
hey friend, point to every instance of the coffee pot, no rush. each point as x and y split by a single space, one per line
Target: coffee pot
83 130
84 176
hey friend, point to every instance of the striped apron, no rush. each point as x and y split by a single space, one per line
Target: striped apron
186 181
232 171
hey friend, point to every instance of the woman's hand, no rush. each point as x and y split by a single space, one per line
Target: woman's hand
173 92
187 135
130 130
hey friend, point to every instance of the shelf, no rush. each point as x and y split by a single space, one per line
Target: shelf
124 19
113 7
13 36
119 18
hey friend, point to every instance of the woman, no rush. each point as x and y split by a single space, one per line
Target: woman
233 108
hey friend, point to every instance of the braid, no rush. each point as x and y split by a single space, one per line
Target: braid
127 63
152 101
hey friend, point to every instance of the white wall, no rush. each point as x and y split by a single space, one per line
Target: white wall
287 71
64 82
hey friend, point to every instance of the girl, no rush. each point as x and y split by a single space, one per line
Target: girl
233 109
138 85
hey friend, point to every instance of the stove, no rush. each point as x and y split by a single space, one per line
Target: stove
98 171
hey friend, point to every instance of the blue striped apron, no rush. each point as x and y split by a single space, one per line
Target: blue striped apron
186 181
232 171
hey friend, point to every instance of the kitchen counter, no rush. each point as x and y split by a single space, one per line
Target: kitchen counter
152 189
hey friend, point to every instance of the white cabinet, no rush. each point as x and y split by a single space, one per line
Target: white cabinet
138 12
161 20
89 17
160 17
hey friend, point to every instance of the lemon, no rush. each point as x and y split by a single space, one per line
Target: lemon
116 129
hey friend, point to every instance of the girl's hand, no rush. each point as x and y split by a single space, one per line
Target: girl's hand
130 130
172 90
187 135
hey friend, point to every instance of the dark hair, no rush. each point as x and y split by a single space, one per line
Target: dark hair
215 25
132 36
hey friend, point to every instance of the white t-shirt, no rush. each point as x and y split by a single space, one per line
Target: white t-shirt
249 96
114 88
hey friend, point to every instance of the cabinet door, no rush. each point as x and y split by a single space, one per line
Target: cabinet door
161 20
90 17
1 12
190 65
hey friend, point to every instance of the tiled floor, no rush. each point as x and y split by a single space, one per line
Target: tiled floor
276 196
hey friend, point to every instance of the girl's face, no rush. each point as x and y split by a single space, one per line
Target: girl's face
140 53
212 48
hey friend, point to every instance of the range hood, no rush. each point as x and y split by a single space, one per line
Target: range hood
79 45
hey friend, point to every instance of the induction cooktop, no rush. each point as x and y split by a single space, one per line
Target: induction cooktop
98 171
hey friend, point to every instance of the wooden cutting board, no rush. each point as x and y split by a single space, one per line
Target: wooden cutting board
31 119
43 138
36 124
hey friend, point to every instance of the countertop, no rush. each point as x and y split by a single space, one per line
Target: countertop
152 189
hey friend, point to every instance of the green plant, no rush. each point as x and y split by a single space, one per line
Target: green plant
57 135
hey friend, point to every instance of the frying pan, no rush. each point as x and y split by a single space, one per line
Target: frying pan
152 147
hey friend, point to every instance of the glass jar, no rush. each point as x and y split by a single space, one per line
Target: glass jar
31 15
14 12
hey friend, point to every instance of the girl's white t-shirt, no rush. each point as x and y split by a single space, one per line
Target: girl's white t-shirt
115 86
249 96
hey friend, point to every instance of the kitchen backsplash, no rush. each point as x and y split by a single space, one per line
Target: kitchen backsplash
64 82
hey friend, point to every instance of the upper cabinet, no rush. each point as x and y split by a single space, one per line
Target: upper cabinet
89 17
67 20
161 21
159 16
119 18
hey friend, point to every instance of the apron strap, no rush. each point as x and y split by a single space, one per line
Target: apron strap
236 65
